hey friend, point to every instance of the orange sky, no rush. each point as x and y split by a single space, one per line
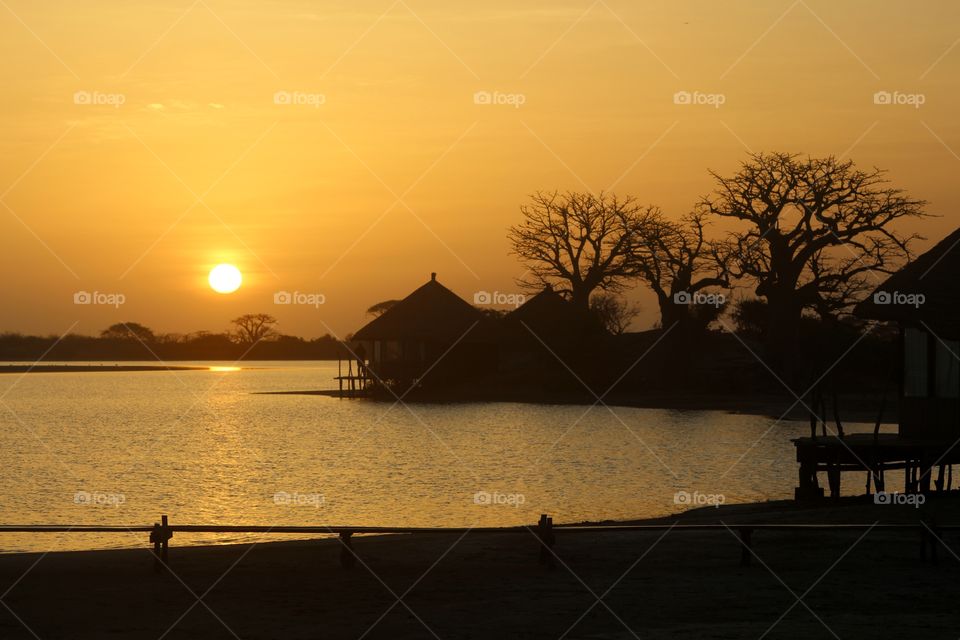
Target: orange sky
142 143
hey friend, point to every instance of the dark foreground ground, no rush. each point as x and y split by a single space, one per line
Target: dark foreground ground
610 585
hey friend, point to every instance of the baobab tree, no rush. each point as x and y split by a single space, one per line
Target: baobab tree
128 331
678 262
818 232
254 327
579 243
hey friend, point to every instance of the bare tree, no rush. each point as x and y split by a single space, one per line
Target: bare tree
678 262
254 327
579 242
818 231
613 312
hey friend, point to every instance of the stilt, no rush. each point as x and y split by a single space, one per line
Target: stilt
926 474
833 478
807 486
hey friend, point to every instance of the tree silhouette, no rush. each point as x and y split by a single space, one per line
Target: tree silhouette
128 331
613 312
254 327
675 258
818 232
381 307
579 242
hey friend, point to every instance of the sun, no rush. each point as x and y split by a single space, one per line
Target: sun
225 278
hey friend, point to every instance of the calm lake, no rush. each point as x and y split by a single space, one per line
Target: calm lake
205 448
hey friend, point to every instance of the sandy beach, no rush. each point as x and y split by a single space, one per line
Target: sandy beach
606 585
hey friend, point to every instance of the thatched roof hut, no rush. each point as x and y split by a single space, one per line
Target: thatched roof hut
430 329
923 298
431 312
924 292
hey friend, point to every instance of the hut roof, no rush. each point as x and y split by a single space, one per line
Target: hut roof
431 313
934 276
549 313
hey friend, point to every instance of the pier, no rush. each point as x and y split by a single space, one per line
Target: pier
355 383
926 463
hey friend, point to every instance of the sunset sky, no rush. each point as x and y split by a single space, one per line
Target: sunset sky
337 148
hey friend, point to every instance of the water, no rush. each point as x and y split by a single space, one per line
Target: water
203 447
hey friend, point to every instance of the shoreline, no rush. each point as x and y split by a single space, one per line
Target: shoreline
660 584
89 368
860 409
854 408
855 510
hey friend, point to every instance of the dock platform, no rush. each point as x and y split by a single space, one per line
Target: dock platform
874 454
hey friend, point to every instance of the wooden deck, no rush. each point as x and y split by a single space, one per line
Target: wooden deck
354 383
926 463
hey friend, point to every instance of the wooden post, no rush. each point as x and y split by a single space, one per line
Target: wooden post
926 473
823 416
155 539
546 537
160 536
876 426
347 557
833 477
808 488
746 535
813 420
876 469
165 526
836 414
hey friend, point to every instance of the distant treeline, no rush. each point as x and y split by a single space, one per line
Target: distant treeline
195 346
